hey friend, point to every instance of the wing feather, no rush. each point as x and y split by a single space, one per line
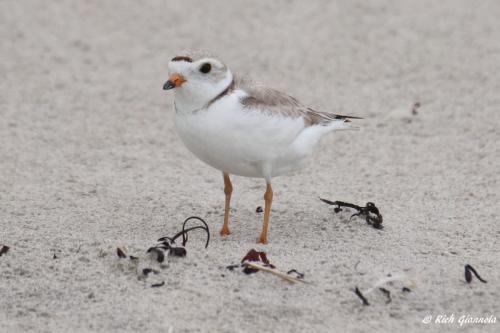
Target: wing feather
275 102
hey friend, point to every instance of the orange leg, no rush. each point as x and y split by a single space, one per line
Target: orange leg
268 198
228 190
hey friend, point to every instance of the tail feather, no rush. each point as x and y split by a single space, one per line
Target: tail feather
325 118
341 125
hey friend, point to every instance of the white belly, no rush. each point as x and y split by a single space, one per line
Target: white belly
245 142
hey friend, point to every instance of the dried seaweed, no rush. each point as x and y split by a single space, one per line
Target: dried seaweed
387 293
4 250
157 285
360 295
157 253
468 274
254 256
370 212
184 232
414 109
297 274
178 251
120 253
382 282
168 243
147 271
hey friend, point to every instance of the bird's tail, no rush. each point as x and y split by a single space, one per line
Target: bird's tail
341 125
332 121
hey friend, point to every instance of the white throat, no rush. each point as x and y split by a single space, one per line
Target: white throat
195 95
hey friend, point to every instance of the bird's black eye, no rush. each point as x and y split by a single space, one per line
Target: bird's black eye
205 68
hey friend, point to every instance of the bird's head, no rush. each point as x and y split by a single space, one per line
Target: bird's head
196 82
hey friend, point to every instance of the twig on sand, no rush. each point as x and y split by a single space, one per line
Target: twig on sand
255 261
274 271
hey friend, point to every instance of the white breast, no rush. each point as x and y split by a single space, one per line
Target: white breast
245 142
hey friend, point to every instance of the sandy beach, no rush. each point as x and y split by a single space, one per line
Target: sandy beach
90 161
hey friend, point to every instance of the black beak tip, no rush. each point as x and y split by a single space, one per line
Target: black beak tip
168 85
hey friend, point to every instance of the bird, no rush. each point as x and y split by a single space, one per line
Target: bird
243 128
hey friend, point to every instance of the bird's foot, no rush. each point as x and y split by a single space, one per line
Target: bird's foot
225 231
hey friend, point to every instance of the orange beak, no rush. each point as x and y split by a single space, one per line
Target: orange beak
175 80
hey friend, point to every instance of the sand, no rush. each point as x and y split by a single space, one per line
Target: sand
89 160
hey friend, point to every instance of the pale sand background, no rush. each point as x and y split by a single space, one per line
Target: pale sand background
89 160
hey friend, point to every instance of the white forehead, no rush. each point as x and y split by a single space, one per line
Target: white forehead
179 66
182 66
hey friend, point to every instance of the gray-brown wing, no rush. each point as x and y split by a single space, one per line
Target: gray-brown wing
275 102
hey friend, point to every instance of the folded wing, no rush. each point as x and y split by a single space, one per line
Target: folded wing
274 102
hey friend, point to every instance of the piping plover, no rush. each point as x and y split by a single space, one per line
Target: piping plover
242 128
